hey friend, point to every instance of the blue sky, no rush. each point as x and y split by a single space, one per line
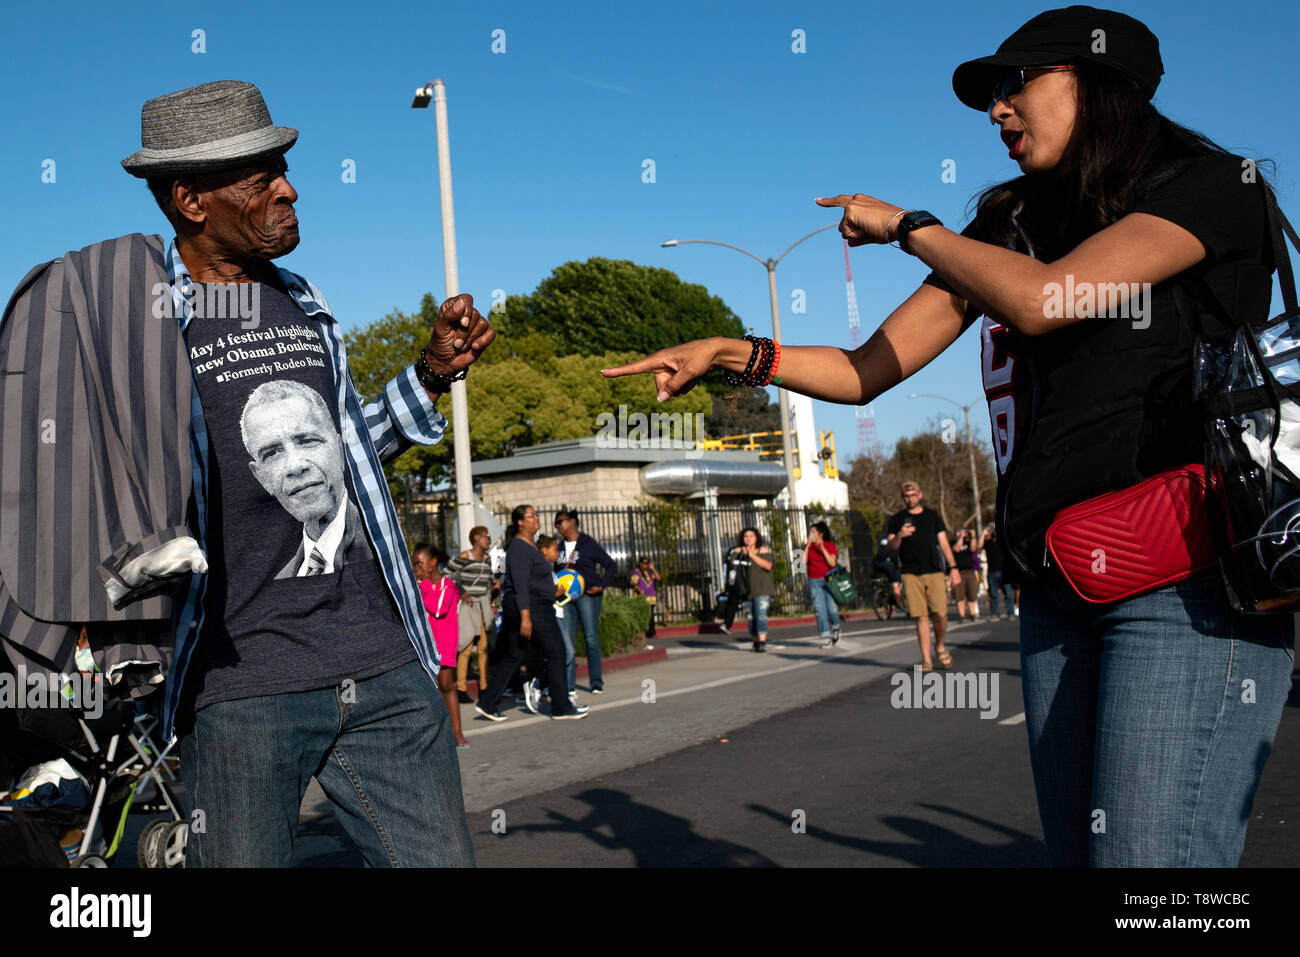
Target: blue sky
548 139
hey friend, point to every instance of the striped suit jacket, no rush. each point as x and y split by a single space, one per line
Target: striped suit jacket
95 463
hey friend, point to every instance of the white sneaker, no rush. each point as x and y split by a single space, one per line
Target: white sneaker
572 716
532 695
1017 611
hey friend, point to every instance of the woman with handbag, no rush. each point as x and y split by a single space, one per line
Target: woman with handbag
822 558
1149 717
752 583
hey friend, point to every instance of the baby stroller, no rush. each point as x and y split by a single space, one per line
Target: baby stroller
106 768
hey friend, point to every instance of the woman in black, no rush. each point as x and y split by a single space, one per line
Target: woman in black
528 614
1091 270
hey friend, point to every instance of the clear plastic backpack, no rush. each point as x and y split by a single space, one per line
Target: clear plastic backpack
1249 391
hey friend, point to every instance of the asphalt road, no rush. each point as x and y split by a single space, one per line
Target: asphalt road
793 758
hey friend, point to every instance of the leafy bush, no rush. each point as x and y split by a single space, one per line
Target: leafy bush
622 619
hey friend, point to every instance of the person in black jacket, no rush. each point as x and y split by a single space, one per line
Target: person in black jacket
583 554
1093 270
528 614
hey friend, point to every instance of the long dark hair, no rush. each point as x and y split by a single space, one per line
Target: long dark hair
825 531
758 536
1119 141
516 516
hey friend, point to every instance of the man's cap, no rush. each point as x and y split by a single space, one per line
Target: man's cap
909 487
206 129
1075 33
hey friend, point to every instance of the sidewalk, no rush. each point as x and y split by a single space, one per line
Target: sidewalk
713 628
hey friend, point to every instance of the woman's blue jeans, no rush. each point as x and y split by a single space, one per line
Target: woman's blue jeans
824 607
1149 721
586 610
758 606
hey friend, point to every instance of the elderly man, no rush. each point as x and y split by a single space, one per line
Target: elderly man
275 678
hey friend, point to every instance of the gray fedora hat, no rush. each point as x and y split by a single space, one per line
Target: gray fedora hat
205 129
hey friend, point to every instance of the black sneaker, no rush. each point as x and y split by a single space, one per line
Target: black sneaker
597 690
571 716
464 698
835 635
490 715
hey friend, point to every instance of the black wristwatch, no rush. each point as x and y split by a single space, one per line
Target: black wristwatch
914 219
434 381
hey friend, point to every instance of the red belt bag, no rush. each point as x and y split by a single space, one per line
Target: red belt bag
1135 540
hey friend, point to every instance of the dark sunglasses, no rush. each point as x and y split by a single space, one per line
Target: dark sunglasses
1014 82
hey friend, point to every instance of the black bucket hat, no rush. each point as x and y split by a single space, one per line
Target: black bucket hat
1056 36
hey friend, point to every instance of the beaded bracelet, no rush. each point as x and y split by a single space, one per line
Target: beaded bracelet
731 378
772 377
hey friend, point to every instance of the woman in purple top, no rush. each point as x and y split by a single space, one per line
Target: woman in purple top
644 578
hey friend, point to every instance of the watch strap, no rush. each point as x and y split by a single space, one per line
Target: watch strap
914 219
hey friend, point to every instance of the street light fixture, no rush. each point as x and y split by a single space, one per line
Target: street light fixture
437 93
970 445
770 266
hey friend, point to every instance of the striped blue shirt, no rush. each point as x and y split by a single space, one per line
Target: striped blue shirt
372 434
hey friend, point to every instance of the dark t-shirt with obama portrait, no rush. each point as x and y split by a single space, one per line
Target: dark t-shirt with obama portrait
295 598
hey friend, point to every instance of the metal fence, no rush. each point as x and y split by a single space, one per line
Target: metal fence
686 544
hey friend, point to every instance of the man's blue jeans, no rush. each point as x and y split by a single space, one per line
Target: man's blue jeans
824 607
996 589
1149 721
381 749
588 612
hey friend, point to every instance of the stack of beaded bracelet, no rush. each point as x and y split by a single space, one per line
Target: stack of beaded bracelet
764 359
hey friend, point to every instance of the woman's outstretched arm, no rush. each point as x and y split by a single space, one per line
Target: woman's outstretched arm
928 322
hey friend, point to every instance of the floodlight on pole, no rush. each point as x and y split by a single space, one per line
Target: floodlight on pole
423 96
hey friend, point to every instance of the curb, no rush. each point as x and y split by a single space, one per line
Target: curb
614 663
679 631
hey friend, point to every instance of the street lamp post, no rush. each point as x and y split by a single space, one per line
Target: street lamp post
770 265
970 446
437 92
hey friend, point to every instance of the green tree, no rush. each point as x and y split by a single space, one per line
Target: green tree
937 459
615 305
743 410
519 394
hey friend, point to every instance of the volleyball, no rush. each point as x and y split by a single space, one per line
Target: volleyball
573 586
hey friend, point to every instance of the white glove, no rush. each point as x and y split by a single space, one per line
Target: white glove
180 556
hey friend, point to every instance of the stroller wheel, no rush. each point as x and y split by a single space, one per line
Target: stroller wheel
148 850
90 860
172 844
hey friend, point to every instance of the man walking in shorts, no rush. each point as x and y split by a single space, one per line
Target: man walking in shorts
917 534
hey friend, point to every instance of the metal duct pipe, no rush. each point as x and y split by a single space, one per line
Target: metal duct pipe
685 476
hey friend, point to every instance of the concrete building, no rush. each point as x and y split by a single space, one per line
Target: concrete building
583 472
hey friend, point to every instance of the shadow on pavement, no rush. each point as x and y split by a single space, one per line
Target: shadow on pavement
932 845
656 838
